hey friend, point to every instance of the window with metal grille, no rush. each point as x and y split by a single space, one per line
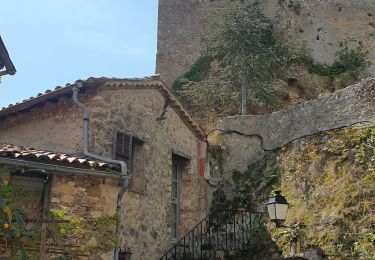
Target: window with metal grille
130 149
123 147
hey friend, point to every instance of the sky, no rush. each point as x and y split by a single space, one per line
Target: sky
52 42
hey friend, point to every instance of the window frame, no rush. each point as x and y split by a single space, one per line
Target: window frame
175 200
130 160
181 162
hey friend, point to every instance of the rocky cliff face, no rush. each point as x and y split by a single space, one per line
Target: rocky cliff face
324 26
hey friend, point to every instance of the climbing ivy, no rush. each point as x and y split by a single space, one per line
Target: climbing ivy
101 228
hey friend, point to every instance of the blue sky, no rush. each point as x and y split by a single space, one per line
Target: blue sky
55 42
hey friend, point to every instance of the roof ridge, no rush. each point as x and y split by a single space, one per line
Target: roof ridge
151 81
89 79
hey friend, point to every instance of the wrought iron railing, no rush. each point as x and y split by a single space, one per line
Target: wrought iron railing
221 231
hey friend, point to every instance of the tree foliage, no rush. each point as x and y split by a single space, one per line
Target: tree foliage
245 49
13 229
345 70
250 50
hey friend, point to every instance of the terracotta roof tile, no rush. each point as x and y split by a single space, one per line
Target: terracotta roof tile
31 154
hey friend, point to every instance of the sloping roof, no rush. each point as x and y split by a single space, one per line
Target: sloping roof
148 82
5 60
49 157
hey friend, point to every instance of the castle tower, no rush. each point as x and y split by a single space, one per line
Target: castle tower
323 27
182 34
176 48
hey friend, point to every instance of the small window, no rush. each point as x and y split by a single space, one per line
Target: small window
130 149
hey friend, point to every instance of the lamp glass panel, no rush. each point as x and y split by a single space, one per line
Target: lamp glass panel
271 210
281 210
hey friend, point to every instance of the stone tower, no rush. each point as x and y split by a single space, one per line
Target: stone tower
324 27
182 34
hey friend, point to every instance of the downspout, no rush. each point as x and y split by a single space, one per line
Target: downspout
124 184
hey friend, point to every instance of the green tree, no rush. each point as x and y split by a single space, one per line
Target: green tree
251 54
251 61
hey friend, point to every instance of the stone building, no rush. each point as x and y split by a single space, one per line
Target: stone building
136 121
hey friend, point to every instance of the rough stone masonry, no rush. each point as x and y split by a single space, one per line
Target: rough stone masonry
185 29
246 138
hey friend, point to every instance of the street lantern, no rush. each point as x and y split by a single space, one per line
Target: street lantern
126 255
277 207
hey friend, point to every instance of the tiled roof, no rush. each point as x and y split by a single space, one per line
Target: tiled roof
48 157
147 82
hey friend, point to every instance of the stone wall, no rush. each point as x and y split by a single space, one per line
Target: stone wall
146 216
247 137
90 197
56 127
185 28
86 198
77 198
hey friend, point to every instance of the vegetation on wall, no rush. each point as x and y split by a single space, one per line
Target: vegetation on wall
274 66
251 189
329 182
345 70
246 50
20 236
13 230
196 73
102 229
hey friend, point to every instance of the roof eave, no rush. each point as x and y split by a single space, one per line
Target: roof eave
67 90
34 101
194 126
61 170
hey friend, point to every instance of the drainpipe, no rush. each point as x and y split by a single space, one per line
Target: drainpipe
124 184
86 152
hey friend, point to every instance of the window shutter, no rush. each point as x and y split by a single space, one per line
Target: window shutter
131 150
123 148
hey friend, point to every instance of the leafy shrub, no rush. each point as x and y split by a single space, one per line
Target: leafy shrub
12 221
196 72
345 69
